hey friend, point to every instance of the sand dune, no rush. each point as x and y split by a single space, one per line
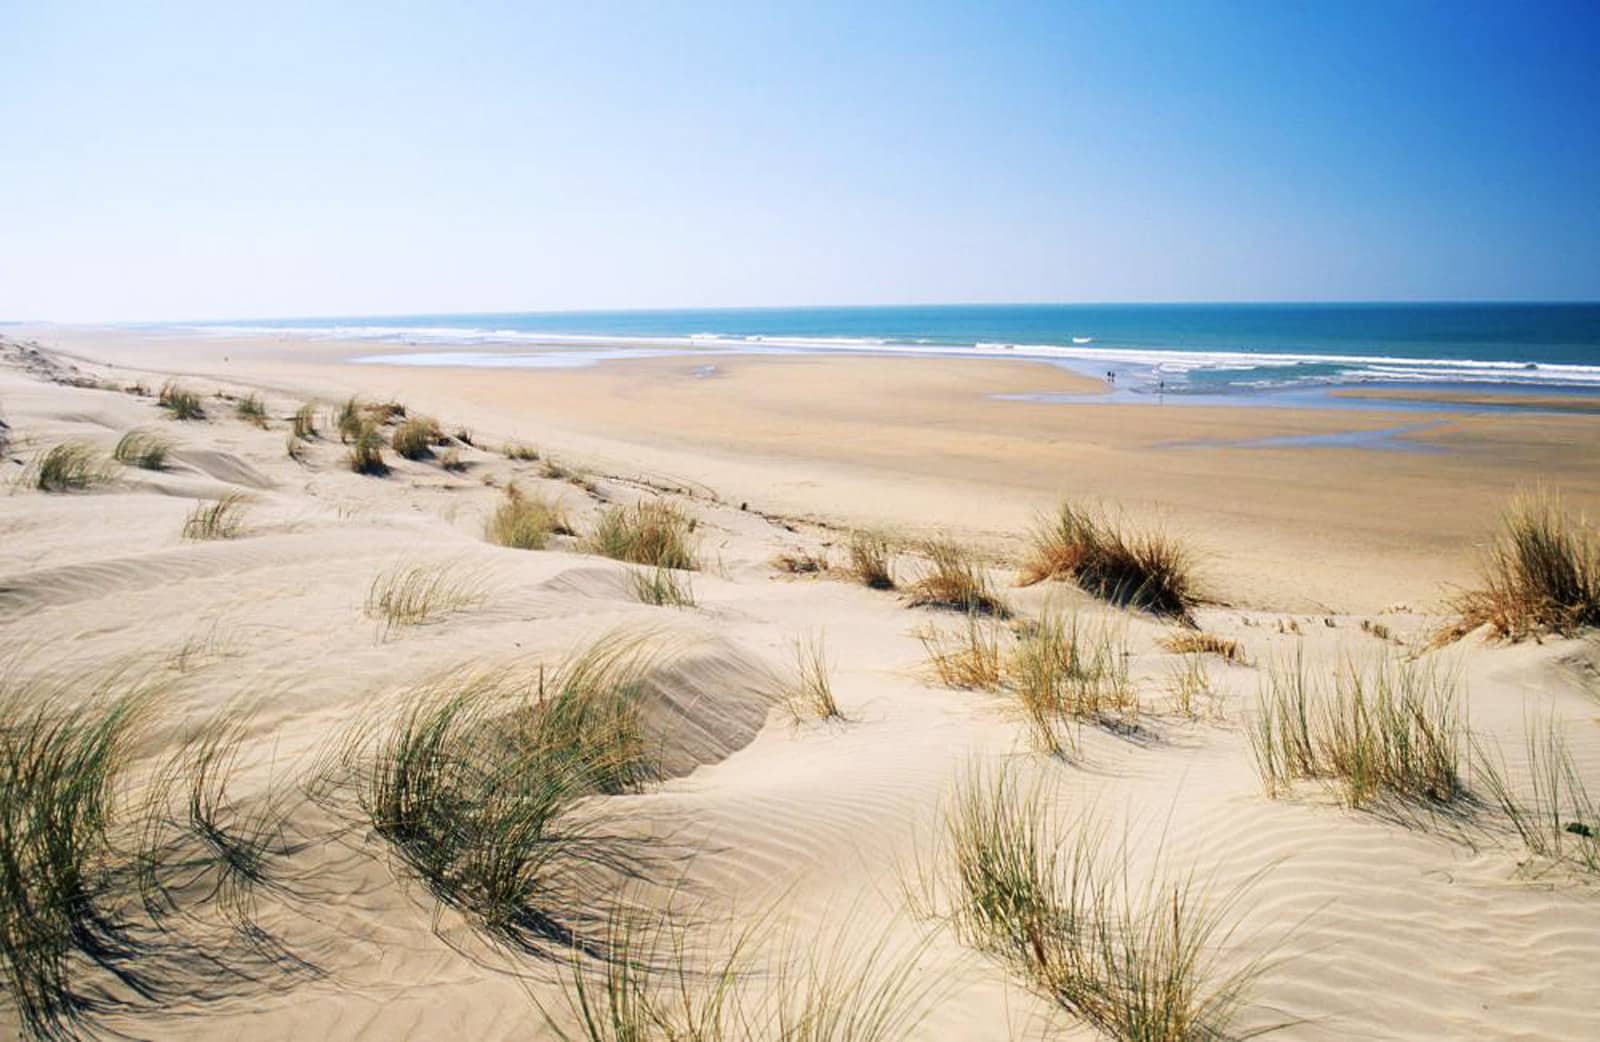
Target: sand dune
1442 925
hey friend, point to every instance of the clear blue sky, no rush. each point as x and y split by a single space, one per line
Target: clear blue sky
178 160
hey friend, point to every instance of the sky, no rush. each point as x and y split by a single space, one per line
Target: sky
171 161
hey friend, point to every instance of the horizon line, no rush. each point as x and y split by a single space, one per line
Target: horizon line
1329 302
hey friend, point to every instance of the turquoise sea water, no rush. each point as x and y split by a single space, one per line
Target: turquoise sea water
1177 348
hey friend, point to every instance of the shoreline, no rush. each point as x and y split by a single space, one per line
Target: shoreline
1291 510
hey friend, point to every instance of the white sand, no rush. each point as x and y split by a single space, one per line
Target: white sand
1377 930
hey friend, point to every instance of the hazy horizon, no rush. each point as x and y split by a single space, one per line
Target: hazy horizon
192 320
290 161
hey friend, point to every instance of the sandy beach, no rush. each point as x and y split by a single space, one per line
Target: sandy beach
925 446
817 831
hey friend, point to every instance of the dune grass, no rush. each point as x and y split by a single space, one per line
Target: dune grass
251 409
303 424
807 693
366 450
800 562
526 521
231 845
1539 574
384 413
1062 670
101 884
662 587
1557 820
1142 569
872 559
450 459
955 579
1390 731
182 404
1197 642
58 782
1189 685
349 419
71 466
1066 671
411 594
223 519
652 532
521 452
415 437
475 780
1062 904
145 449
662 982
970 658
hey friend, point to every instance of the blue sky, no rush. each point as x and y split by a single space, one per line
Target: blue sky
228 160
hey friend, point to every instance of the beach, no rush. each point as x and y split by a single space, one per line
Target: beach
926 445
1332 537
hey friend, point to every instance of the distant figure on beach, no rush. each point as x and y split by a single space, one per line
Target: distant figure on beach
1111 376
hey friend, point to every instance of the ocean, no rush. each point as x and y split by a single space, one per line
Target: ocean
1201 349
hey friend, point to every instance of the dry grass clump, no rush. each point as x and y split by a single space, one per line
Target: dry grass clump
663 587
1195 642
526 521
872 560
970 659
955 579
1390 731
659 982
366 450
1060 902
800 562
475 782
384 413
653 532
1377 629
1062 670
1148 570
414 594
72 466
103 882
349 419
414 439
1558 821
251 409
1065 672
141 448
516 450
555 471
223 519
303 424
808 693
450 459
1189 684
182 404
1540 574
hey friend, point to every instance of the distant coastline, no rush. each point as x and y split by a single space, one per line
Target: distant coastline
1177 348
